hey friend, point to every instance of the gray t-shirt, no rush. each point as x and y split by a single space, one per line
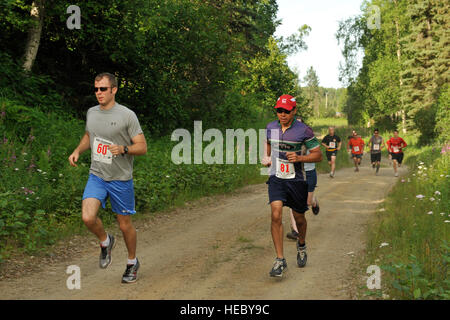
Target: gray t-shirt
117 125
376 144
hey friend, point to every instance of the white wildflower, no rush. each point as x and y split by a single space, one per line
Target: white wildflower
384 244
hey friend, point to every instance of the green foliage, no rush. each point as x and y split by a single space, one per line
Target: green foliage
270 77
443 115
404 68
415 225
295 42
176 60
36 91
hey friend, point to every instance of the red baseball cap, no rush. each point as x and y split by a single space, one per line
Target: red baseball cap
286 102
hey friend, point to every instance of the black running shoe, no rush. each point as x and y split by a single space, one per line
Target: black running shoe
301 255
292 235
278 268
316 209
105 253
130 274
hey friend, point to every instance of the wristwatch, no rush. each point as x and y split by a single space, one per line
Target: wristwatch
125 150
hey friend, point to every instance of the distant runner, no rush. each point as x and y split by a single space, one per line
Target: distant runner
286 184
356 147
114 136
376 144
396 145
332 143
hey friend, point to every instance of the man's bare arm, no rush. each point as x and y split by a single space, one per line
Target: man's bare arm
315 155
138 148
82 147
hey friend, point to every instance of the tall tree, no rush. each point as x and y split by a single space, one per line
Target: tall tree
312 89
34 34
426 64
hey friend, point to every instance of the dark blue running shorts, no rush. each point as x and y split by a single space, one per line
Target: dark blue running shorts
293 193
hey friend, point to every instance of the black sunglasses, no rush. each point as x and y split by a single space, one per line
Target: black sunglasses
102 89
281 110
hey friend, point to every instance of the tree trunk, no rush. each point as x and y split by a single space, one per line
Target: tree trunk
34 34
399 56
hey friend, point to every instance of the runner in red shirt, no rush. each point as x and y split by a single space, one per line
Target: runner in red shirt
356 146
395 146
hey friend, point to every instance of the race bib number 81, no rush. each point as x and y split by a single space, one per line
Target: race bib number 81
101 151
285 169
376 146
332 145
356 148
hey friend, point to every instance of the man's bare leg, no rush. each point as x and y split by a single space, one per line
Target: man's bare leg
129 234
277 227
89 209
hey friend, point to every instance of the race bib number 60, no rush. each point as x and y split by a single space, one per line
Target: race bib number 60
101 151
376 146
285 169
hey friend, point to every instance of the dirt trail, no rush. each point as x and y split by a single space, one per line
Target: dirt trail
223 249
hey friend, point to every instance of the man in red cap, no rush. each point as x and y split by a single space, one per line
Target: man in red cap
287 186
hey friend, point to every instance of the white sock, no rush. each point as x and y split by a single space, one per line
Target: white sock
132 261
106 242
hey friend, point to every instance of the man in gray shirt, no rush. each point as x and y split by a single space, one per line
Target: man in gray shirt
114 136
376 143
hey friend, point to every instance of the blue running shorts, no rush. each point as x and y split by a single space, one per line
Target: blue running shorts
293 193
120 193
